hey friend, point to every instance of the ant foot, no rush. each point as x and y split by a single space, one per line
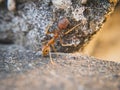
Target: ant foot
52 62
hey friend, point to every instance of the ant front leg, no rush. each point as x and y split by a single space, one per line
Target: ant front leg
54 48
51 60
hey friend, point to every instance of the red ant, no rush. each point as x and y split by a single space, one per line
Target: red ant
62 24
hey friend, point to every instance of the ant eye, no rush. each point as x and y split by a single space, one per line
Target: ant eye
46 50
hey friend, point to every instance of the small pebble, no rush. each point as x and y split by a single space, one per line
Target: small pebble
11 5
83 1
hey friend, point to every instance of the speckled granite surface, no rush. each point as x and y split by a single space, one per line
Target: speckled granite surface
22 69
26 26
26 70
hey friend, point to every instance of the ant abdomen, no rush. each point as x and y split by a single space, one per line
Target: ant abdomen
63 23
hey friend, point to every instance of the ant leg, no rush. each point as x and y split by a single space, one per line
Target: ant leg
61 42
47 28
72 29
51 60
53 20
54 48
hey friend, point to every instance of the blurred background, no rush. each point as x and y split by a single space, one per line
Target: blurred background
106 43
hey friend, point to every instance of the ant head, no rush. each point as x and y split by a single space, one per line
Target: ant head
45 50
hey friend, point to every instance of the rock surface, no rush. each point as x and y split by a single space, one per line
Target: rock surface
26 70
22 67
26 26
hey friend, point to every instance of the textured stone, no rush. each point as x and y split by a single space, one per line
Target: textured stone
31 18
22 69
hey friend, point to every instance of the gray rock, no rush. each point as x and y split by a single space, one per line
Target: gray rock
22 69
22 32
26 26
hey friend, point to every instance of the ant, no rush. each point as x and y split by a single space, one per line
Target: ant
62 24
